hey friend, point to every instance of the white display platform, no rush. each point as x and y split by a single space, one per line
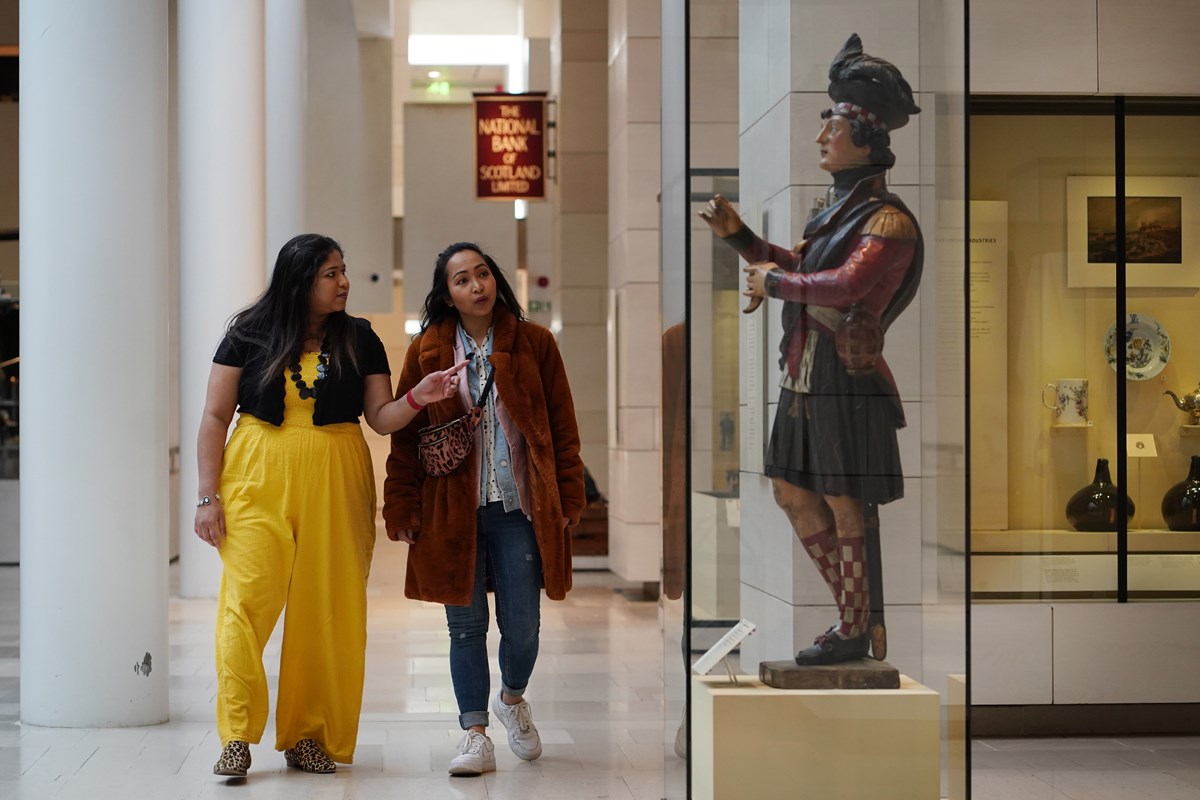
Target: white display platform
750 740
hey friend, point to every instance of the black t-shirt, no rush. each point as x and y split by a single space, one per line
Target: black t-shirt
341 397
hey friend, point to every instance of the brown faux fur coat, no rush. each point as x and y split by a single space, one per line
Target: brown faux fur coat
532 384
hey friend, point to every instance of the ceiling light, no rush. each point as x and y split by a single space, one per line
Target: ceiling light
448 50
433 73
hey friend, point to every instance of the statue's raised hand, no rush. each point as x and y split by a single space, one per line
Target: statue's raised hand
721 217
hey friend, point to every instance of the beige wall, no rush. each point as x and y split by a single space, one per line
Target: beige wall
440 205
1058 332
1084 47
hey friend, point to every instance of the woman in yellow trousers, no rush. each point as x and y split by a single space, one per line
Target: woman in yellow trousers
290 504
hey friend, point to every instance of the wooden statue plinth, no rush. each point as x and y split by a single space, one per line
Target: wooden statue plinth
865 673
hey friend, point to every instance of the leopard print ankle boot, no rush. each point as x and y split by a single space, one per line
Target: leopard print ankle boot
234 760
308 756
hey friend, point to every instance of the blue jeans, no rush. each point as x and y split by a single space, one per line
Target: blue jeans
506 555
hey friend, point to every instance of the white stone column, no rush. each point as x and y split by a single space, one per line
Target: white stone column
634 467
286 43
581 222
222 220
94 489
328 135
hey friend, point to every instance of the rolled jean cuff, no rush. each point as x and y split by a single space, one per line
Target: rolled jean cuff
473 718
511 692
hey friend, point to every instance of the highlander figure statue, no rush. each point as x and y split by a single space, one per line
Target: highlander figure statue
833 457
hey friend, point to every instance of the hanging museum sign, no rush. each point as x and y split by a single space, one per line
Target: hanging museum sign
510 146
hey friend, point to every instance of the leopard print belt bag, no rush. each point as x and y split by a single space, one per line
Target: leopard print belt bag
442 448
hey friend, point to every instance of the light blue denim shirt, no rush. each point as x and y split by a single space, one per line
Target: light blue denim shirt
496 481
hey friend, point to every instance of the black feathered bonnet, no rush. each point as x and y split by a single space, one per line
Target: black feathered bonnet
869 89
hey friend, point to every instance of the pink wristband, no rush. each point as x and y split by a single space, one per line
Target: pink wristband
416 406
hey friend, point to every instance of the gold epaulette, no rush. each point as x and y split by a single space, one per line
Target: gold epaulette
890 222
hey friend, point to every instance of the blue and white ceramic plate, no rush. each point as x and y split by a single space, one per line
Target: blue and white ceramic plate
1147 347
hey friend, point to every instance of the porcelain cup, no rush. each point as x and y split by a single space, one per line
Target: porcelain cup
1070 400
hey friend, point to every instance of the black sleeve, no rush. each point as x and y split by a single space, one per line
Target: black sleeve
372 357
231 352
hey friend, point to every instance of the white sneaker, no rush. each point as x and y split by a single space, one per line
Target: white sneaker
476 755
523 736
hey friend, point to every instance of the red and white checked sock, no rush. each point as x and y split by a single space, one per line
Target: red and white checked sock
854 603
822 548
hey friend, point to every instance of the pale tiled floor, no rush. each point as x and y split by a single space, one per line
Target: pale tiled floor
1133 768
597 695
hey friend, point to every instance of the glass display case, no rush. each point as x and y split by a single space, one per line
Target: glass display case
1084 448
744 88
1085 554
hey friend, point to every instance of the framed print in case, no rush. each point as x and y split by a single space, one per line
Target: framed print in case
1161 220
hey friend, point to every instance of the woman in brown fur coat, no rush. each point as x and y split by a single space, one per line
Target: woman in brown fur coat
501 519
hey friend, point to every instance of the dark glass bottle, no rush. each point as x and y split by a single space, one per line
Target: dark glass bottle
1181 503
1094 507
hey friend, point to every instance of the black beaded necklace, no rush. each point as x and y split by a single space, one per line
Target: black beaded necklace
322 371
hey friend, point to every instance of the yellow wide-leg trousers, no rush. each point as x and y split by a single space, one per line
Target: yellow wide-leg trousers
300 521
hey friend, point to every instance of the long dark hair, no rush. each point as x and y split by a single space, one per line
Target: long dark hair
438 305
278 320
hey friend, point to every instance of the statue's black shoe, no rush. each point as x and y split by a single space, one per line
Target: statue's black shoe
829 648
